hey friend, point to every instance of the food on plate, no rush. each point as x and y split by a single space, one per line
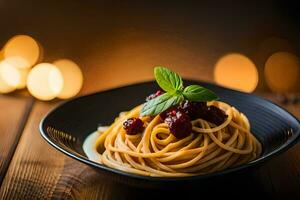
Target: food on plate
178 131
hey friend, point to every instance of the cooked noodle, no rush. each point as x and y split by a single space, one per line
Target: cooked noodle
157 152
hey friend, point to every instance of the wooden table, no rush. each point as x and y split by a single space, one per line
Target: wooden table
32 169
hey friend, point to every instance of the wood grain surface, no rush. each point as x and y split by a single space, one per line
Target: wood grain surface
13 115
35 165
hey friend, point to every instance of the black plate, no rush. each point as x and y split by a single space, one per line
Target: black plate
66 127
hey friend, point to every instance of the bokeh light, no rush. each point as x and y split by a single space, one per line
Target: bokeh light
41 52
1 55
282 72
45 81
62 79
236 71
73 78
264 50
18 62
25 47
23 78
9 77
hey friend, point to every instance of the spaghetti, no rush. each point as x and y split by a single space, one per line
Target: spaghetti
157 152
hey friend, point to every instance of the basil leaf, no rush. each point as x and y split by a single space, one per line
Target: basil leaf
198 93
169 81
160 104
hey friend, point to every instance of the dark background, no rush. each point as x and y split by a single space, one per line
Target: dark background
122 40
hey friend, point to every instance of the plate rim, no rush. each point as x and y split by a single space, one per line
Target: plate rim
104 168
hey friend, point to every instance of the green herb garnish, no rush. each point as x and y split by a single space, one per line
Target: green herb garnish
172 84
168 81
198 93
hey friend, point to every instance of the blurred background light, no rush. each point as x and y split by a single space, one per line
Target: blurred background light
282 72
18 62
264 50
41 52
45 81
9 77
25 47
23 78
72 76
1 55
236 71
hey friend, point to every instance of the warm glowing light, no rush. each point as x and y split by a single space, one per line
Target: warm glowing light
264 50
18 62
9 77
41 52
1 55
72 76
45 81
23 78
22 46
236 71
282 72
